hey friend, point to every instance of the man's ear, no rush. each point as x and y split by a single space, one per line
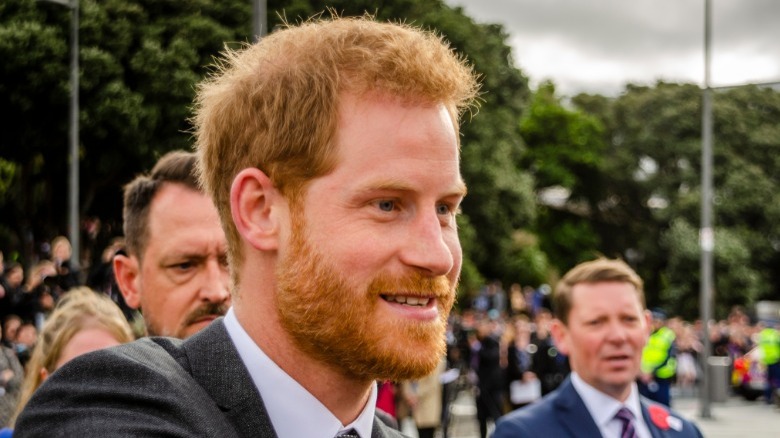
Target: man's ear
126 273
257 207
560 335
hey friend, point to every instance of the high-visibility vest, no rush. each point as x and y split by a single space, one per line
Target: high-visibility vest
769 345
656 354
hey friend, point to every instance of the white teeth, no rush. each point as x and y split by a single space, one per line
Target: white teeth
409 301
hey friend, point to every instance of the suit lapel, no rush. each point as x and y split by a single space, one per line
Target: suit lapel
217 367
379 430
573 413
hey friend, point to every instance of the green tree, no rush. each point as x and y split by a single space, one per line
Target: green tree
565 154
652 192
140 61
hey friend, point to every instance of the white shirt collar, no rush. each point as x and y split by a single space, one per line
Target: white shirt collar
293 411
602 408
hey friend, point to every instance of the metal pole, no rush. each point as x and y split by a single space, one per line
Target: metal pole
73 204
706 233
259 19
73 137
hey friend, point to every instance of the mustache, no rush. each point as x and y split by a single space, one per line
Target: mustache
208 309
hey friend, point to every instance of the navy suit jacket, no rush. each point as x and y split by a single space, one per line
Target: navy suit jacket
562 413
156 387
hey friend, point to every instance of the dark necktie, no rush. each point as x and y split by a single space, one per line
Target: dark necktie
627 418
349 434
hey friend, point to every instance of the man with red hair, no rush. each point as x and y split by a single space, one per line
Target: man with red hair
331 152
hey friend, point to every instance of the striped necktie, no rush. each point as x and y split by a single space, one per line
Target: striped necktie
627 418
349 434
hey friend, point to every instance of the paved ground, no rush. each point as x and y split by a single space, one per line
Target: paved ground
733 418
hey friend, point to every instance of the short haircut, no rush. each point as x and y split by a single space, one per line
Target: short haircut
177 167
80 308
595 271
274 105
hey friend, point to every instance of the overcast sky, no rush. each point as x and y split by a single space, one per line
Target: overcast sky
598 46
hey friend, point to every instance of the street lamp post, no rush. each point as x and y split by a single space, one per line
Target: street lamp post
259 19
73 179
706 233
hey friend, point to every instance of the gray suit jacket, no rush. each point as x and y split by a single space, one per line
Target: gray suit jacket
155 387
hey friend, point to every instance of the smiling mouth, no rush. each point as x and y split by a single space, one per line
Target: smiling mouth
407 300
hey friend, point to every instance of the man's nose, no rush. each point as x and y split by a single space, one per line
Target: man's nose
426 247
216 279
617 332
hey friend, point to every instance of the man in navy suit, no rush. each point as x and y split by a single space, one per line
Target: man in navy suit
602 326
331 152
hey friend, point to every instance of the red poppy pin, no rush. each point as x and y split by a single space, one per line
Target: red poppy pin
661 418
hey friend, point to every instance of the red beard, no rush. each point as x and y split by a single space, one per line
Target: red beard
340 324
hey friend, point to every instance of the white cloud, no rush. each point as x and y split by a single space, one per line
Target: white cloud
598 46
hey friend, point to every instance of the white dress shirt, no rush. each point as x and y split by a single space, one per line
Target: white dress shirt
293 411
602 409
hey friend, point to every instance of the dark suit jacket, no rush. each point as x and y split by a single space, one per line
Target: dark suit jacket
155 387
562 413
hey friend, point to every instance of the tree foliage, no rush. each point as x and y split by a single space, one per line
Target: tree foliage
139 63
625 170
565 154
652 184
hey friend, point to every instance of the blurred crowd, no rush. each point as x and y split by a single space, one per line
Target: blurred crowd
500 348
499 344
51 312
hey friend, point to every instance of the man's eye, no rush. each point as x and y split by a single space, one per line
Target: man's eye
184 266
443 209
386 205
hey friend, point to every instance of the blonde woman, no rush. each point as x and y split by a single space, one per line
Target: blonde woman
83 321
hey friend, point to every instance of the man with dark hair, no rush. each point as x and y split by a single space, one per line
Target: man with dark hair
602 326
175 266
331 152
